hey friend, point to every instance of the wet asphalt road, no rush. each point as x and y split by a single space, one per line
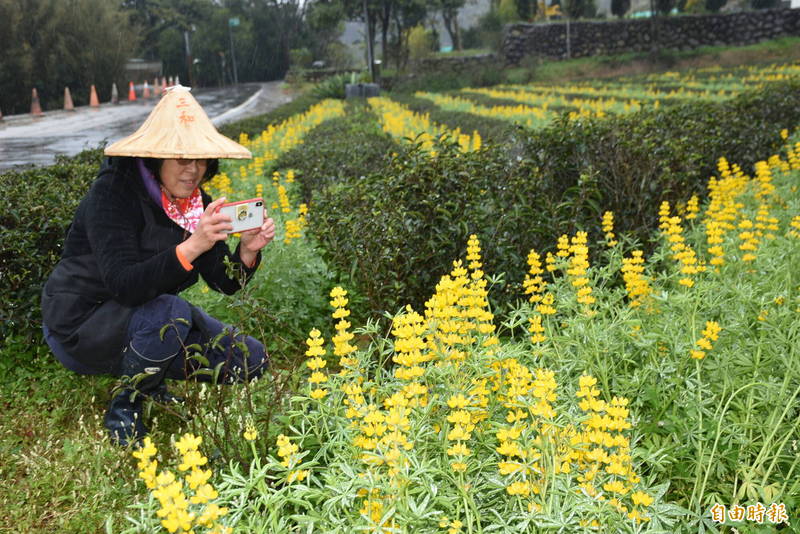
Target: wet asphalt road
26 141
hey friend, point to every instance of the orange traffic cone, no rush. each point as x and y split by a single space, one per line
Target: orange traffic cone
114 94
177 80
93 100
68 105
131 92
163 85
146 90
170 83
36 108
156 86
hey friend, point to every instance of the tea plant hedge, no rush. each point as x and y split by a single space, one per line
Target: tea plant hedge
38 208
397 229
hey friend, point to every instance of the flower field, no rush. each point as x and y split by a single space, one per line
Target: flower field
632 387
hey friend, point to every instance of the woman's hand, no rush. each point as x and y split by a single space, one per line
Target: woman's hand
212 227
254 240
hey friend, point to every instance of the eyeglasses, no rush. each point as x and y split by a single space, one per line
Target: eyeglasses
187 162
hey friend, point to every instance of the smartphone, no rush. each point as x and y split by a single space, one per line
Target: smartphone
245 214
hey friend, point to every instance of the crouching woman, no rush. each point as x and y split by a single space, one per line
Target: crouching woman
144 232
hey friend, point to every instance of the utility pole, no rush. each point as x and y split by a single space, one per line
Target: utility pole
189 62
233 21
370 52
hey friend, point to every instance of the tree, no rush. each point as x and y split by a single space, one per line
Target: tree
576 9
406 15
508 11
620 7
664 7
52 44
419 42
449 10
325 19
527 9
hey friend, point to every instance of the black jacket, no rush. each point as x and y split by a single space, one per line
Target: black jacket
119 253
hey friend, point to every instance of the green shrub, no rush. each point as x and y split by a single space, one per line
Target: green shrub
39 205
300 57
396 229
401 226
325 158
420 42
333 87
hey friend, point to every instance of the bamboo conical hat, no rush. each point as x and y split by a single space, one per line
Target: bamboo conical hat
178 128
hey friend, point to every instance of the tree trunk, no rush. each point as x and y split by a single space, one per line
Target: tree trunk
386 21
451 25
457 41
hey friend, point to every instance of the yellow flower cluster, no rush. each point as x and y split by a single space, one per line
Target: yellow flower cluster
459 309
450 314
534 286
410 347
715 239
692 208
460 432
402 124
290 458
607 463
316 363
710 333
793 156
608 228
578 267
283 199
529 116
636 284
250 433
582 106
794 227
749 239
372 508
176 511
341 340
682 252
528 400
221 184
453 527
384 437
723 208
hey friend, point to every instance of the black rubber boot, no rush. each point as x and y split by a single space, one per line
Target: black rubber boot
124 416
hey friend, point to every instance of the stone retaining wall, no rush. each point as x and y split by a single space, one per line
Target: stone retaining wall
683 32
455 64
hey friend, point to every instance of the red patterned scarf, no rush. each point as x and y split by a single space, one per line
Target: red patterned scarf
185 212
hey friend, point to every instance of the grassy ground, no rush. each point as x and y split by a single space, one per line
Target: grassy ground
60 474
